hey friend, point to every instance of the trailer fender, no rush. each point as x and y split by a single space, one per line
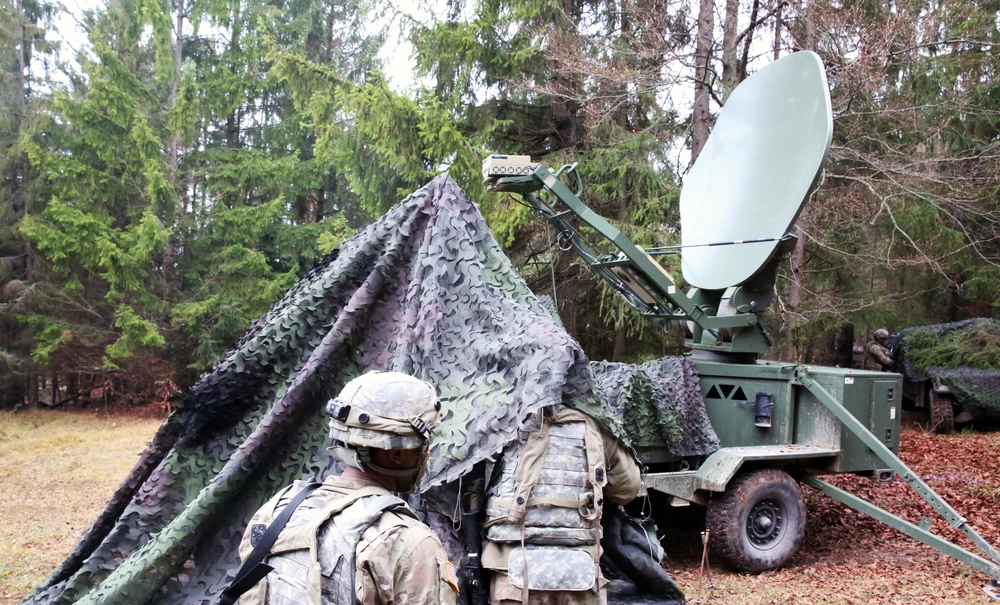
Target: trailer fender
715 474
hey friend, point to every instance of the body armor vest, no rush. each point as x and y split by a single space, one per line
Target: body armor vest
549 490
871 363
313 559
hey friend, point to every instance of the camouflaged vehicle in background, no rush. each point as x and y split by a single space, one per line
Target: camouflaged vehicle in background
951 370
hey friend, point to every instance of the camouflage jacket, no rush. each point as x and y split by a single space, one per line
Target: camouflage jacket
877 357
398 559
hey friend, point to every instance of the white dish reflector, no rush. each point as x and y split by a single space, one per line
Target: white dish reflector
756 170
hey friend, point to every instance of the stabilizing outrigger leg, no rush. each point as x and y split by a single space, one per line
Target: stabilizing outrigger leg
990 567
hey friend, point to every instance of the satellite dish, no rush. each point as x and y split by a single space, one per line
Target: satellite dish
756 171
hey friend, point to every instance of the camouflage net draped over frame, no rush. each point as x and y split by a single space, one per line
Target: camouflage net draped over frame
963 354
424 290
656 406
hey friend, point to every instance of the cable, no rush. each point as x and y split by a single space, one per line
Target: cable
552 266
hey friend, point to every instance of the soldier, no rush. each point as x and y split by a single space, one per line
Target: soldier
544 510
877 353
351 540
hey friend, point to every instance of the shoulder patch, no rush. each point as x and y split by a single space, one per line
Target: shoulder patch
450 576
256 533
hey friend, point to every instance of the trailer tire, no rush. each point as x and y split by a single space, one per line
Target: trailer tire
759 522
942 412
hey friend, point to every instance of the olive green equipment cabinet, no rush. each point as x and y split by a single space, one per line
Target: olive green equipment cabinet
775 432
797 416
780 425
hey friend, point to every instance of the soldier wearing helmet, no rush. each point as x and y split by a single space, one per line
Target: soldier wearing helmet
352 540
544 507
877 352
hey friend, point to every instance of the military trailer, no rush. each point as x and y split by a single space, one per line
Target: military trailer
780 424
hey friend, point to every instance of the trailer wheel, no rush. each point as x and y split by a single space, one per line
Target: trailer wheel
759 522
942 412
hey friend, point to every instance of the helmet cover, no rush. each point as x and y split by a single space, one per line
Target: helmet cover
384 410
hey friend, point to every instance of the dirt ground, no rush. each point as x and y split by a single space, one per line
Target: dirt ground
57 469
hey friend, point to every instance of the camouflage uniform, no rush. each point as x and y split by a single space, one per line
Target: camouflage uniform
877 354
351 541
563 560
398 560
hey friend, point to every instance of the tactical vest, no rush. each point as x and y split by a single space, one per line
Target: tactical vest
313 559
548 500
551 485
871 363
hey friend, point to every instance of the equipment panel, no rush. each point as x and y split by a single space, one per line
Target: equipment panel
797 417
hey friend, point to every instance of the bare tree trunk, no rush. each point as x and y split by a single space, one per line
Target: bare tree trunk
22 58
741 72
810 38
776 47
21 94
702 87
730 44
32 395
621 336
233 120
175 139
804 35
173 153
799 254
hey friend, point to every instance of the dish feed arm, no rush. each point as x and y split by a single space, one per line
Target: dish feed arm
632 272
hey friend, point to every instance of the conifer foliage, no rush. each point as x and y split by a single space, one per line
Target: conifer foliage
201 155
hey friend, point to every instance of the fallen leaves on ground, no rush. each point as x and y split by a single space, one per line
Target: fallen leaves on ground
850 558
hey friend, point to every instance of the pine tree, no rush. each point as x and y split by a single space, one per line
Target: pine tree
258 209
519 77
23 30
98 233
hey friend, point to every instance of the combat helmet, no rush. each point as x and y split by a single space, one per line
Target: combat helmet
881 335
381 410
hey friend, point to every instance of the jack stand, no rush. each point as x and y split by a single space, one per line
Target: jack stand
992 589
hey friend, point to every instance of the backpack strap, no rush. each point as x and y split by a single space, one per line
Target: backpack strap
254 569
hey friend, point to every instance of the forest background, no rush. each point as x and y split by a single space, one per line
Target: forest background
197 157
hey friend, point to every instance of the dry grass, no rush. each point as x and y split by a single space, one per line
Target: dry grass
57 470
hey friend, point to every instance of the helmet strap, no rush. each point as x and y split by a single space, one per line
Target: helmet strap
399 479
350 456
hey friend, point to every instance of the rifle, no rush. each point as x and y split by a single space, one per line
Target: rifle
473 500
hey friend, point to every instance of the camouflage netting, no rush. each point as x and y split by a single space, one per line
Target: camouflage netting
654 403
424 290
964 354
